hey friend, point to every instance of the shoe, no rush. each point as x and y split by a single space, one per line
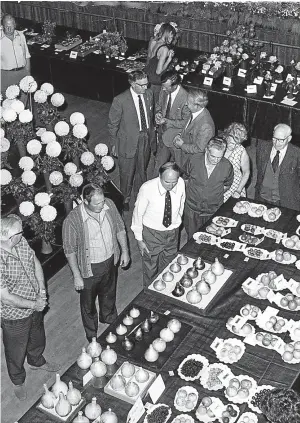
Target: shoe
126 207
48 367
20 392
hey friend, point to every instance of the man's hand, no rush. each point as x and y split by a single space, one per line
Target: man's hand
178 141
40 303
236 194
125 259
78 283
158 118
142 247
114 151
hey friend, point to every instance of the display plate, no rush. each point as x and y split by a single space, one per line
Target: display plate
258 390
256 210
292 259
205 238
236 399
52 413
267 218
195 357
230 245
222 345
250 239
137 354
122 394
216 407
252 229
271 233
187 418
68 45
189 390
153 407
257 253
251 416
206 299
225 222
205 379
285 240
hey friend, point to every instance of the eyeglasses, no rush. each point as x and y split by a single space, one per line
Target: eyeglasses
142 85
18 233
280 140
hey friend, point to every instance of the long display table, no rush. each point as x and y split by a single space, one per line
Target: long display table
264 365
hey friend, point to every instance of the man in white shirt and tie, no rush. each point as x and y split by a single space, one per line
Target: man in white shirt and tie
198 130
156 219
278 169
131 132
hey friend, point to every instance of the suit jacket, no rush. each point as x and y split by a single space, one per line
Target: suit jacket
198 133
289 173
123 123
179 114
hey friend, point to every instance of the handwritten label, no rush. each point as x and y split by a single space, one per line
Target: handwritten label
227 81
203 71
156 389
242 73
273 86
86 378
73 55
251 89
215 344
258 80
136 411
208 81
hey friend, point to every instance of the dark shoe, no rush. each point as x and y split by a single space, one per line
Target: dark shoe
20 392
126 207
48 367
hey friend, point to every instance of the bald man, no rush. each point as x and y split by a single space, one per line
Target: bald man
278 170
15 57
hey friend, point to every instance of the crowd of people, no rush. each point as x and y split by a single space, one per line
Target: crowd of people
195 172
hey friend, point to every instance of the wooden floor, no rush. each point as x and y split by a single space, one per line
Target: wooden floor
64 331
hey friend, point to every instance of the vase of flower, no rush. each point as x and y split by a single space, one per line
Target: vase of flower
46 247
21 148
47 182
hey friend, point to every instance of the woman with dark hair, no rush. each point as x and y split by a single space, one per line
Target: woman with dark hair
159 56
280 405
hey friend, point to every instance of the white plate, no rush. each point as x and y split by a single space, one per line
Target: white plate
297 264
252 229
222 231
294 325
205 376
249 316
249 415
277 299
225 222
267 219
153 407
253 207
253 241
292 259
246 204
189 390
236 399
217 407
231 419
188 418
264 254
261 322
298 217
233 342
230 245
196 357
258 390
271 233
205 238
283 241
298 230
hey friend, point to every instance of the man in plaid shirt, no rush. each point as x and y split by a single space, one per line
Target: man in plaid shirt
23 298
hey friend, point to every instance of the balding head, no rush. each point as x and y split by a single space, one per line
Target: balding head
9 24
282 135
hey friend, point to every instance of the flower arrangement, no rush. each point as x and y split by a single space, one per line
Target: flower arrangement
12 92
111 43
43 225
34 147
28 84
26 163
47 107
17 106
26 208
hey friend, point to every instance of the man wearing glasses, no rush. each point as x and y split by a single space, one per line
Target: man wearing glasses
23 298
278 169
132 132
93 235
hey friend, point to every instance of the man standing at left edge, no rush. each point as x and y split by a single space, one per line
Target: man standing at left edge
15 57
23 298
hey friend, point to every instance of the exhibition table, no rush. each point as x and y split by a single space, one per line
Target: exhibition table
264 365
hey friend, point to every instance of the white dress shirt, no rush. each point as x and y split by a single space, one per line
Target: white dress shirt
135 97
150 206
174 94
14 53
281 154
209 167
193 116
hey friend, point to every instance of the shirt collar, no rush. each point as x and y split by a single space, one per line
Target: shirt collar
281 152
4 254
206 161
84 213
174 93
163 190
134 94
197 113
16 34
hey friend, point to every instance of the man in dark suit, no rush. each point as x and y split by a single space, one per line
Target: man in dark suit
132 132
198 130
278 169
171 116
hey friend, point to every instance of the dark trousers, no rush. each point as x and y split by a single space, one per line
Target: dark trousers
274 203
21 338
163 247
101 286
193 221
164 154
134 167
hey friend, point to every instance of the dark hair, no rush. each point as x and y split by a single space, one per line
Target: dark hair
169 166
136 75
217 142
166 27
199 96
171 75
89 190
280 405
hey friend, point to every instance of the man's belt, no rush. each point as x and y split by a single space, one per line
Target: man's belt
16 69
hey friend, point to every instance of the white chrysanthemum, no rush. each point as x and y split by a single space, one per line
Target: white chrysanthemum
107 162
28 84
76 180
40 96
76 118
17 106
101 149
2 133
57 99
42 199
9 115
80 130
40 131
70 168
28 177
7 103
4 145
61 128
47 137
56 177
26 208
48 213
53 149
12 92
34 147
5 177
47 88
26 163
25 116
87 158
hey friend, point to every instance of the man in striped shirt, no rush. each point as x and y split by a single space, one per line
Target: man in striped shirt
93 234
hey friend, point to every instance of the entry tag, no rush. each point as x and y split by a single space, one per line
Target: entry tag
73 55
242 73
227 81
208 81
258 80
251 89
273 86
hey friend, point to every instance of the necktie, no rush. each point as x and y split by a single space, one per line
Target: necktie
190 121
142 115
167 114
275 162
167 220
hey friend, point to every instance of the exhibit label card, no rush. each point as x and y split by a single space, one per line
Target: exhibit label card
73 55
258 80
242 72
136 411
156 389
251 89
208 81
227 81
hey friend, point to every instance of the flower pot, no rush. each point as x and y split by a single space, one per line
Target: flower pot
46 247
21 148
47 182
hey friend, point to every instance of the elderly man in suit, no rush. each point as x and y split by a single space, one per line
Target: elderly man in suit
197 131
278 169
171 116
131 132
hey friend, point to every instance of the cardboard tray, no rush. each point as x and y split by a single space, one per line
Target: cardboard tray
52 413
68 47
136 356
207 300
